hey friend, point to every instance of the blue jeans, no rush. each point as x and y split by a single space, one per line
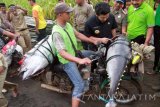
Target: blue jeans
72 71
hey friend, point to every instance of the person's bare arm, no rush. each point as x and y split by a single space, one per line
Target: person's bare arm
84 38
124 29
71 58
149 35
100 40
114 32
2 68
9 34
37 24
35 15
124 25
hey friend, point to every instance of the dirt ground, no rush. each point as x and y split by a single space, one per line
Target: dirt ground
32 95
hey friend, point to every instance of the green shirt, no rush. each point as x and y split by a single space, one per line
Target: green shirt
157 17
139 20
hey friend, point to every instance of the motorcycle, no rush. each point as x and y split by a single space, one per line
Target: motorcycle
127 88
127 91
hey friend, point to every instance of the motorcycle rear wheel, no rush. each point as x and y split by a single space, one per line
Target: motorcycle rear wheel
128 91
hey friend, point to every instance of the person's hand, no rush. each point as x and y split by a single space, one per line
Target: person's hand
16 35
125 33
96 42
146 44
85 61
37 31
104 40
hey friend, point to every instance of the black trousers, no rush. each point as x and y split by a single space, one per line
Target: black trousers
157 46
140 39
42 34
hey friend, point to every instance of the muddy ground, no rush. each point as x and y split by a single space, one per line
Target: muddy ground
32 95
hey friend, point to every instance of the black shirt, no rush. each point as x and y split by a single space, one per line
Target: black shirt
94 27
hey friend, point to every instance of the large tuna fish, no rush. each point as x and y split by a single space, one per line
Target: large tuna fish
38 57
118 55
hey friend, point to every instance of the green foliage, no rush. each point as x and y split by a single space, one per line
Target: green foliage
48 5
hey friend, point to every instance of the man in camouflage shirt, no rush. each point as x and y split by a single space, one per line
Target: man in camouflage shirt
82 11
120 16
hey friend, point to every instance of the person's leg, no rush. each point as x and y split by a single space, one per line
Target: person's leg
75 102
101 61
2 79
42 34
73 73
87 69
157 57
27 39
21 42
157 51
3 101
157 47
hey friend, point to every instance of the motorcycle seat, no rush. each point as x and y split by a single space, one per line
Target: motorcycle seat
57 68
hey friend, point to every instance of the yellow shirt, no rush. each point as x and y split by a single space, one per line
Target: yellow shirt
37 12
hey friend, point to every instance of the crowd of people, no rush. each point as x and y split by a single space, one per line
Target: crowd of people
92 25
